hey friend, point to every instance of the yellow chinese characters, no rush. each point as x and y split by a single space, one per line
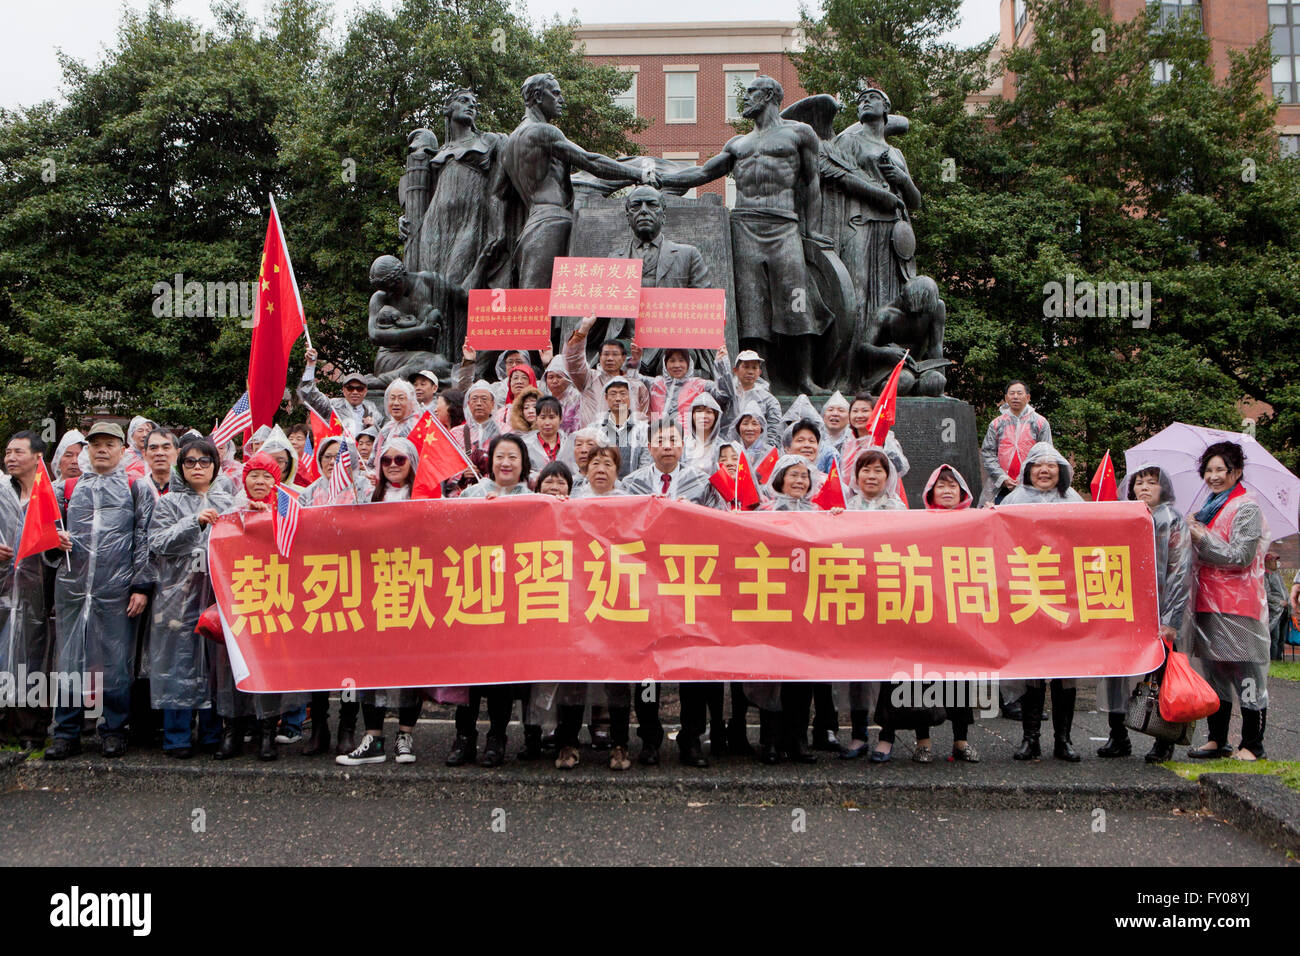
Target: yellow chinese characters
1104 583
1036 584
900 582
401 580
260 596
762 587
330 576
611 568
834 576
685 582
545 568
475 579
970 583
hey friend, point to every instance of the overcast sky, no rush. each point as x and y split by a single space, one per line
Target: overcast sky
85 28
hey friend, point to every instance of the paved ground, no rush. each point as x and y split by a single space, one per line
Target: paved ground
64 828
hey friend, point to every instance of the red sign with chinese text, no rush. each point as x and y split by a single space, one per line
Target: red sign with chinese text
509 319
532 588
682 318
585 286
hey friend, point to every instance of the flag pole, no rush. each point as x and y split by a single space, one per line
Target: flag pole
293 277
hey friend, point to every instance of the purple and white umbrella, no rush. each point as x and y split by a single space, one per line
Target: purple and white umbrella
1177 449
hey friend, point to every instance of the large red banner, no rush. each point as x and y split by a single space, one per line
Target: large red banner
424 593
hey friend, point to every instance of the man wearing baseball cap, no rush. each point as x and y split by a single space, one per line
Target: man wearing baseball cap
426 390
355 411
752 389
102 585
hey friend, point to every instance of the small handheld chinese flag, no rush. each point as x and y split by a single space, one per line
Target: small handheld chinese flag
747 495
1103 482
766 466
440 457
723 483
278 320
40 526
831 494
882 415
321 429
417 434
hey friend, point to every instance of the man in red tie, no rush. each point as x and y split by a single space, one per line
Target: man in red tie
667 477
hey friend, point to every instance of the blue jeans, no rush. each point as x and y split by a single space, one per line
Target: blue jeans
293 719
117 705
176 727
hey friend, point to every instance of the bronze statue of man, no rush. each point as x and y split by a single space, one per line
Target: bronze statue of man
664 264
537 160
911 324
778 204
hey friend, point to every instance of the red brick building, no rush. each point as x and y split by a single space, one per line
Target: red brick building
686 75
1229 24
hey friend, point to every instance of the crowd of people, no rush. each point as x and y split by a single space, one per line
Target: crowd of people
121 595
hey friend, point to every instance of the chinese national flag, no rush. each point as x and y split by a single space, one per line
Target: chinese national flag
768 463
278 320
1103 482
440 458
747 495
831 494
40 527
882 416
321 429
725 485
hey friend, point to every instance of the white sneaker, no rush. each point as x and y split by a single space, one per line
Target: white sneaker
371 750
404 749
288 737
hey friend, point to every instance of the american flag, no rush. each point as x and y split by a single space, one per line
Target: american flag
237 419
341 476
285 519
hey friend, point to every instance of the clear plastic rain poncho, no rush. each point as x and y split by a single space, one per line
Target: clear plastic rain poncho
25 638
108 519
888 500
179 673
275 441
1173 572
1229 636
778 500
763 443
1026 494
319 491
702 446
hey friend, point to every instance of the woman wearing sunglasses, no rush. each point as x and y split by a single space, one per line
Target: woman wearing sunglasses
397 465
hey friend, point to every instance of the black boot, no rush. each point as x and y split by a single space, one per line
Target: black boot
232 739
1160 751
1118 744
1062 721
719 744
738 737
319 742
532 743
796 741
1031 722
1252 731
463 751
767 750
347 739
268 750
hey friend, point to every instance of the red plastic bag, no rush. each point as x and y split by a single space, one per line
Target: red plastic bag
1184 694
210 626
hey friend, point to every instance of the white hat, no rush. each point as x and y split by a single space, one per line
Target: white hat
749 355
430 376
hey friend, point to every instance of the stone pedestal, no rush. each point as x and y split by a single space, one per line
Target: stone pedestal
934 432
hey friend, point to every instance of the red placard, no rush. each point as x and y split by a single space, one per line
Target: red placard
584 286
682 318
531 588
508 319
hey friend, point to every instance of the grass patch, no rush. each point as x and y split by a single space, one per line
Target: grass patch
1284 670
1288 770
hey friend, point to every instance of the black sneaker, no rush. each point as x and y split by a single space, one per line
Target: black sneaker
404 749
63 748
370 750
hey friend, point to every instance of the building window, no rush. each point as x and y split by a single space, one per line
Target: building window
688 159
1288 144
679 97
1284 19
733 83
1022 16
627 100
1171 10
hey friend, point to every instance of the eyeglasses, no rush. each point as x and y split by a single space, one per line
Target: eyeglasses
397 460
196 462
328 458
354 388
